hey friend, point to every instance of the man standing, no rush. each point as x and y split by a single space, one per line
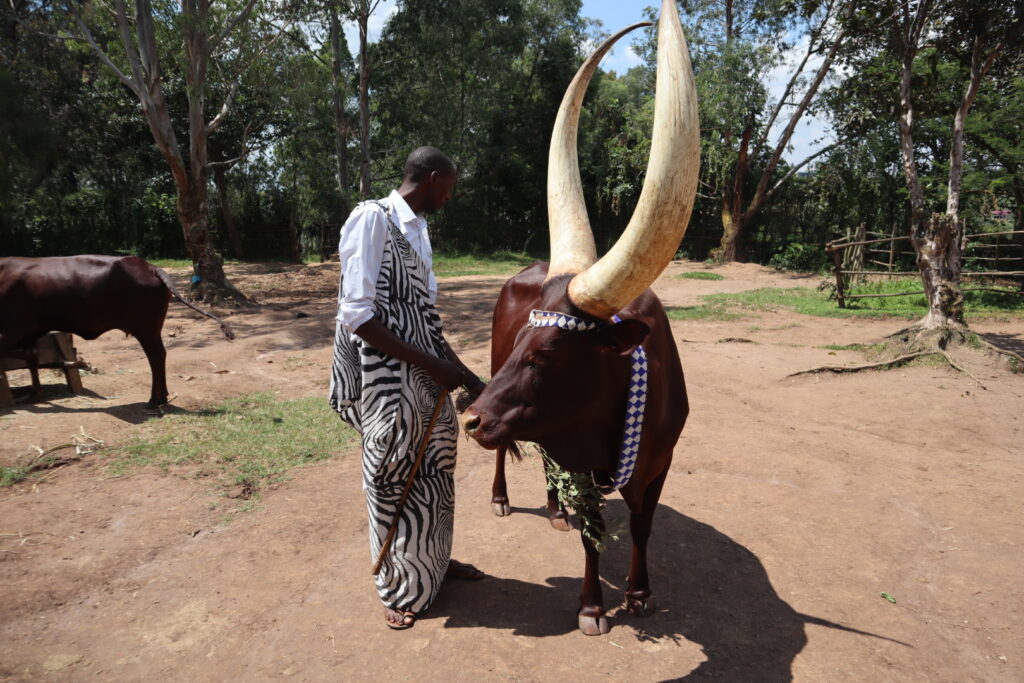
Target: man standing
391 366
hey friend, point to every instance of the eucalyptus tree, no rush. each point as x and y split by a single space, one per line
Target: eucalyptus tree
737 45
215 43
901 49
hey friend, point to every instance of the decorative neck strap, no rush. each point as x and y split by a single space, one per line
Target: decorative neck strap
539 318
635 402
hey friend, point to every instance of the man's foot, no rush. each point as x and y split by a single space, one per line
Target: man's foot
461 570
398 619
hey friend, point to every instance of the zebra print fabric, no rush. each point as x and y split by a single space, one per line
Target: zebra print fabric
390 402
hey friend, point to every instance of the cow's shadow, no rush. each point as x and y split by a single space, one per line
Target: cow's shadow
710 590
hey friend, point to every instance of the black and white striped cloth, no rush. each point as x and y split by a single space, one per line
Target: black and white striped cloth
390 402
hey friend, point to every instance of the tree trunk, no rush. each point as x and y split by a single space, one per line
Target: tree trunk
364 102
208 282
733 219
939 243
340 124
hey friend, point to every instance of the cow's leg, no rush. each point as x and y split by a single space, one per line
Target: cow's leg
557 515
499 489
592 619
157 356
639 600
33 370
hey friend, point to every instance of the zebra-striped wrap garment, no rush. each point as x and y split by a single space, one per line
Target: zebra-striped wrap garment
390 402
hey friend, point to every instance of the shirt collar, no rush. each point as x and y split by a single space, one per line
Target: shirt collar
405 213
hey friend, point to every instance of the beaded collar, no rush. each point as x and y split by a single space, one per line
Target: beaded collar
635 402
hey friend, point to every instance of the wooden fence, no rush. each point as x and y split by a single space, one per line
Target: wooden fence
853 255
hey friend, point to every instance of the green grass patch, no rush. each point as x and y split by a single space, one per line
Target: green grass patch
12 475
499 263
717 310
166 263
846 347
242 444
817 303
701 275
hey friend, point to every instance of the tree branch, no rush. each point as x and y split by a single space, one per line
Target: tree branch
230 26
88 37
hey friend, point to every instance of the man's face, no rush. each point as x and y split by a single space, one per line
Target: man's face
441 185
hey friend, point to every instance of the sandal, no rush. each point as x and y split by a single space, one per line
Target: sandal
408 619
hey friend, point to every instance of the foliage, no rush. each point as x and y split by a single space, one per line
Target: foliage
243 443
576 490
807 258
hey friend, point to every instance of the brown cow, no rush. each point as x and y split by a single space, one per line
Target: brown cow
566 379
87 296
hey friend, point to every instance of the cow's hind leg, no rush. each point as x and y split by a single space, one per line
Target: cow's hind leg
499 489
639 600
157 356
592 619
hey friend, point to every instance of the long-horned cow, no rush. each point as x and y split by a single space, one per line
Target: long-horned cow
89 295
570 337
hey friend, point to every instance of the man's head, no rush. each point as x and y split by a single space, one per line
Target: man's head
429 178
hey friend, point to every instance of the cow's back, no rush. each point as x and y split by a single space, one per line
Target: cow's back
86 295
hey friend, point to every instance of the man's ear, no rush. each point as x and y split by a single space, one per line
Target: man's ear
622 336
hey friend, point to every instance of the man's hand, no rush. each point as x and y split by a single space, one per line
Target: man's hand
445 373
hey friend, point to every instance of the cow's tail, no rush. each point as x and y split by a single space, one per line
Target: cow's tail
224 327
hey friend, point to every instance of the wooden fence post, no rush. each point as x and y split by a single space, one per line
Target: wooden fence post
837 261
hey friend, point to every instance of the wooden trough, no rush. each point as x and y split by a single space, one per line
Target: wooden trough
53 350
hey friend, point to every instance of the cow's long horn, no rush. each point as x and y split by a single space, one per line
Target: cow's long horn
572 242
663 211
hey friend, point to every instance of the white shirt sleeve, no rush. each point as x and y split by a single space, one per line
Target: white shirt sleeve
360 251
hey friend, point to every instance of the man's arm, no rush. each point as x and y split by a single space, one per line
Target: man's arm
446 373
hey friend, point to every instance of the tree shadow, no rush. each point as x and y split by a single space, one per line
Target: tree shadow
710 591
1007 342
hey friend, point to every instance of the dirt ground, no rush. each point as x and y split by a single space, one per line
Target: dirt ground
792 505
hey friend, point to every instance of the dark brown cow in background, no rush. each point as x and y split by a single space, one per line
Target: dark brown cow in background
87 296
564 334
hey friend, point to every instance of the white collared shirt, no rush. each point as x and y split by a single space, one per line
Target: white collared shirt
361 250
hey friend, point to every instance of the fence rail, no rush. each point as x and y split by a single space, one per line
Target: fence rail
838 250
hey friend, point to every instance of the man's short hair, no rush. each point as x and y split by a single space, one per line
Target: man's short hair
425 160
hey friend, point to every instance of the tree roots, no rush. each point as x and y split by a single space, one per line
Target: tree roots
918 341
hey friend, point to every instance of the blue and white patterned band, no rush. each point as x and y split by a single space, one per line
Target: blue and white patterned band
635 402
539 318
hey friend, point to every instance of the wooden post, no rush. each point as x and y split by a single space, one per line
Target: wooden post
70 362
837 261
892 248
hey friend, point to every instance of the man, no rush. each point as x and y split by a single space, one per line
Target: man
391 363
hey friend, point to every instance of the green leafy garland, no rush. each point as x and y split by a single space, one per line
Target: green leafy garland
578 492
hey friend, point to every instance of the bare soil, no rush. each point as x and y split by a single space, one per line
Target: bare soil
792 505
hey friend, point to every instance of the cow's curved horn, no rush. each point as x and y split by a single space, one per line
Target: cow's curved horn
572 242
663 211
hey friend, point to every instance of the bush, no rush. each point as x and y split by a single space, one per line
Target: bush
799 256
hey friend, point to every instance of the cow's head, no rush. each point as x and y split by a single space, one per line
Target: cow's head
559 379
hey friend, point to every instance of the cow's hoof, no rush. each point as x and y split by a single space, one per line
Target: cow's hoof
501 508
641 607
560 520
594 626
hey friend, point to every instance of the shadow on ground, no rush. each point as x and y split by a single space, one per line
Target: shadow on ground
710 591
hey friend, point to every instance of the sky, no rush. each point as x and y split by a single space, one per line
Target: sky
617 14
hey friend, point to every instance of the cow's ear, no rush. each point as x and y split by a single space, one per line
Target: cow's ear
622 336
